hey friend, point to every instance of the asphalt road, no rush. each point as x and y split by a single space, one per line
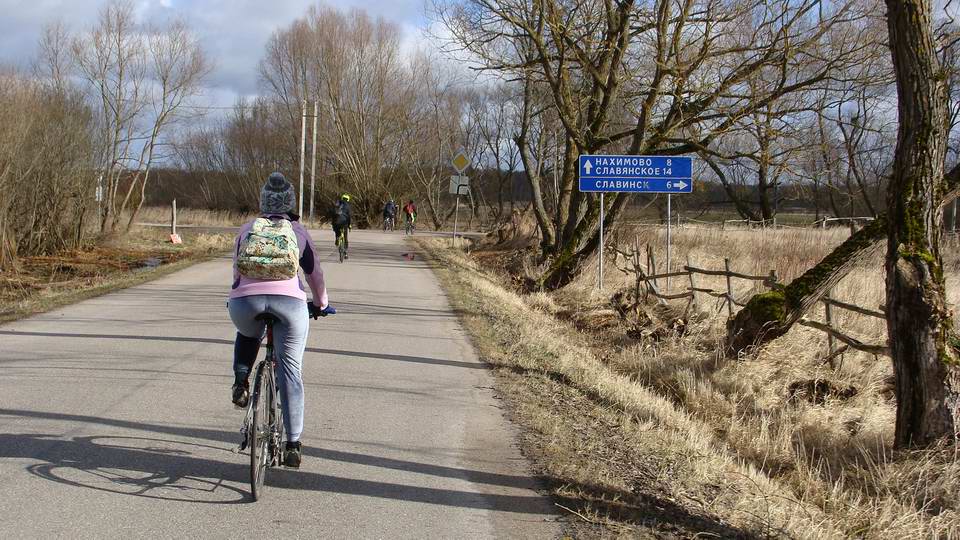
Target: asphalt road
115 417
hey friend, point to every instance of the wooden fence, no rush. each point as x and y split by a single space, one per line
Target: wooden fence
642 265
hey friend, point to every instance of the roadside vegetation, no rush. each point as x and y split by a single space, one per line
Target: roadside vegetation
47 282
195 217
643 425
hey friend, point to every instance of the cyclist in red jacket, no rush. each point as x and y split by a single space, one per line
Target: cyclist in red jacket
410 211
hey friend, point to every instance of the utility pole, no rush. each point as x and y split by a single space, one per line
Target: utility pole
313 159
303 150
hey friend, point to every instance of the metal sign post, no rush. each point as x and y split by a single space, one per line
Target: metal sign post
669 240
635 174
456 217
600 284
459 185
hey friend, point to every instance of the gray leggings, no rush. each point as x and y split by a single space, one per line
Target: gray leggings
289 339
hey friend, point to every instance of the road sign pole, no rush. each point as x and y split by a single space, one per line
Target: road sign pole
600 282
668 242
456 216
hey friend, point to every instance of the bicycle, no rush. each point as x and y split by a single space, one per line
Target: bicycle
342 245
388 224
410 225
262 428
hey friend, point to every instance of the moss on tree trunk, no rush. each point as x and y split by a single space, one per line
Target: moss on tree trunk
769 315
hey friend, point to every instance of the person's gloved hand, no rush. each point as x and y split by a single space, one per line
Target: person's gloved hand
316 312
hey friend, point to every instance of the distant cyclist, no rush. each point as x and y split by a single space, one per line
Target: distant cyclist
342 219
268 255
410 213
390 215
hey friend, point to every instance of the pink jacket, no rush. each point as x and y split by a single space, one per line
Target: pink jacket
309 264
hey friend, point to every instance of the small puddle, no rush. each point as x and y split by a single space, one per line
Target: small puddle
150 264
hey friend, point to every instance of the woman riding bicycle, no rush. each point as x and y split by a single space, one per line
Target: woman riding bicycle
266 280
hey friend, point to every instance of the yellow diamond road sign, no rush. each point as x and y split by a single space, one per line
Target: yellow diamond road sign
461 162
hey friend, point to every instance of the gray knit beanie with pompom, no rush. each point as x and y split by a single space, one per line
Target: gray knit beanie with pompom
277 195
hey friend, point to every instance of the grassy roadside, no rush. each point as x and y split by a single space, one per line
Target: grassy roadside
46 283
619 458
643 428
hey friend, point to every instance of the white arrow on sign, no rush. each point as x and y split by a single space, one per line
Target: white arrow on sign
680 185
587 166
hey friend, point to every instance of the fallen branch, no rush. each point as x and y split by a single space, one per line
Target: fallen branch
852 342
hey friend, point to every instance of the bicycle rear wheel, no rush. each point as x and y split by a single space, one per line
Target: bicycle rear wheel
259 432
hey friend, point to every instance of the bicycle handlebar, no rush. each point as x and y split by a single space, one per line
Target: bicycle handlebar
316 312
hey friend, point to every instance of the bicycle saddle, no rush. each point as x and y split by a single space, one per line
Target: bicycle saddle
268 317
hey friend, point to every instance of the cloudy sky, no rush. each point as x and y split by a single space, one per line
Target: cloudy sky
233 32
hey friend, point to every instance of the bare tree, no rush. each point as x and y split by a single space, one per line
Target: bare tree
140 78
45 149
666 78
440 127
494 111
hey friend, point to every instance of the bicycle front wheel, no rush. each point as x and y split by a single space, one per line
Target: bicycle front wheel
259 433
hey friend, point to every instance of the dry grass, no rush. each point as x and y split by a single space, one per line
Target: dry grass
211 219
780 445
44 283
194 217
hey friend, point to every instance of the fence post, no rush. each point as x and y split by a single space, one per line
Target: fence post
636 267
693 285
653 263
726 263
828 312
173 218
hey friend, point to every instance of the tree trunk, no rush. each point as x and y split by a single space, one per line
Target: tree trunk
547 232
919 323
585 242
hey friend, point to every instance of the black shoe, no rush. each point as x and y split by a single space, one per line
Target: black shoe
291 454
241 394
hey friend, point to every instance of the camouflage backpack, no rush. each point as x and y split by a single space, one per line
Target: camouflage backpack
269 251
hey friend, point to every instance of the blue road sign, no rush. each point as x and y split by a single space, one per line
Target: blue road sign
643 174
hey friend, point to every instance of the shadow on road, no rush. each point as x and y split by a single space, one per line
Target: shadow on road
138 466
315 350
167 469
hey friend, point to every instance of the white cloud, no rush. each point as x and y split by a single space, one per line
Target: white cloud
233 32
